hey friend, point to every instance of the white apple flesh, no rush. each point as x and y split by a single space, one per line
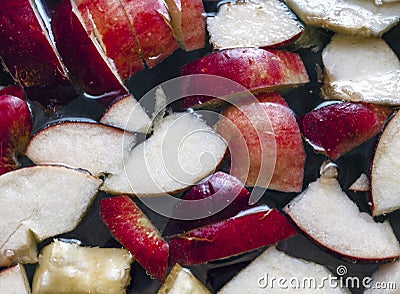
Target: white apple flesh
13 280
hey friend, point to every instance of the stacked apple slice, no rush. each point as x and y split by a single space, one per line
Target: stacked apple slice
14 279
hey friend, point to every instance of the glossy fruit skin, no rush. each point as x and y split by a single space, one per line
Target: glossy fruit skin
15 129
338 128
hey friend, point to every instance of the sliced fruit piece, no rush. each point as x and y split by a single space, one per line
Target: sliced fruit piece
29 56
181 280
362 184
256 69
15 128
132 228
351 17
127 114
269 134
278 272
338 128
387 276
385 172
150 21
188 22
353 234
182 151
222 193
13 280
14 90
272 97
361 69
231 237
109 22
82 54
69 268
94 147
253 23
47 200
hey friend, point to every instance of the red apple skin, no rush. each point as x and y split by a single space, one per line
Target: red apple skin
150 22
15 128
135 232
227 187
14 90
80 55
273 97
338 128
290 153
28 56
116 34
230 237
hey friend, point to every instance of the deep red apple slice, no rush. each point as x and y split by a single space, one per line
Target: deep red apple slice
350 234
221 190
15 128
252 133
338 128
249 230
256 69
29 56
188 22
253 24
82 54
150 20
132 228
14 90
112 28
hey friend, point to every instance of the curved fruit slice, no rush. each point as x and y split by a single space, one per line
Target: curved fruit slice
94 147
351 17
384 173
110 24
127 114
29 56
47 200
82 54
258 227
338 128
387 275
69 268
182 151
254 23
264 128
133 229
361 69
274 264
15 128
14 279
352 234
150 21
188 22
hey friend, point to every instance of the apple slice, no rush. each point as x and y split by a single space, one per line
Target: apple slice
362 184
188 22
384 171
94 147
338 128
132 228
14 280
182 151
256 23
14 90
387 276
351 17
69 268
276 272
15 128
351 234
47 200
220 192
258 135
272 97
181 280
256 69
150 20
82 54
361 69
30 57
110 24
127 114
249 230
